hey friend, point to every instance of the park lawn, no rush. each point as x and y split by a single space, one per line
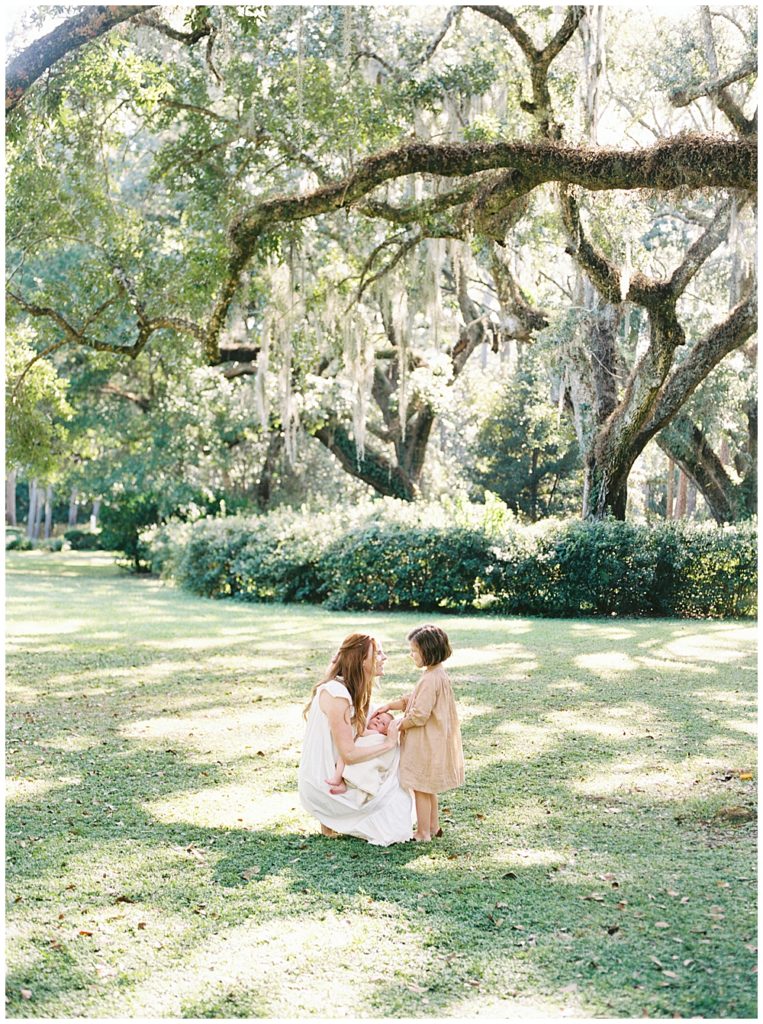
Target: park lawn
599 860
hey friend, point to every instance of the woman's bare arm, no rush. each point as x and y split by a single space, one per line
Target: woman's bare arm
337 710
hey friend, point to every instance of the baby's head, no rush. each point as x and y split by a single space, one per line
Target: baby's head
379 722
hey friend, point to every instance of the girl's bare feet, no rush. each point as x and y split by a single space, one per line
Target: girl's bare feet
328 832
340 788
421 837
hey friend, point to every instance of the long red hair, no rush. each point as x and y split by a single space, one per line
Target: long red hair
349 665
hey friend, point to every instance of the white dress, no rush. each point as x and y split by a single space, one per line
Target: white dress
383 819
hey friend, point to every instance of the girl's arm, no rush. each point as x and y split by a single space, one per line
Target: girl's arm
394 705
422 705
337 710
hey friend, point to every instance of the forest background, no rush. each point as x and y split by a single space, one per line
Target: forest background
497 263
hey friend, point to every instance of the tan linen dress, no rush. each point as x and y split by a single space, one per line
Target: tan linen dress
431 755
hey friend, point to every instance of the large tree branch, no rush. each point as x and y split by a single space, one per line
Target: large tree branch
712 87
538 60
78 336
43 53
652 294
203 28
686 161
704 356
685 443
374 469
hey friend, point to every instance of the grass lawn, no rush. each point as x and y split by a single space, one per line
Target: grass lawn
599 861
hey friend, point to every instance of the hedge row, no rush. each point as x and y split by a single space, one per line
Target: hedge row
563 569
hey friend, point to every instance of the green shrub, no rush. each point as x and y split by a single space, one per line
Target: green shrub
426 568
610 567
17 540
83 540
387 556
122 522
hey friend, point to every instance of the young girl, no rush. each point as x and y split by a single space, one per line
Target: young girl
431 756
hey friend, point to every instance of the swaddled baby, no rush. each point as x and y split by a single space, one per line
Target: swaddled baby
367 776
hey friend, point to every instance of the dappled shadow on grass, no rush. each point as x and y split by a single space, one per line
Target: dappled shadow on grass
577 757
500 889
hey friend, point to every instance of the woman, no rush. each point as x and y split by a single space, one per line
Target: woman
337 712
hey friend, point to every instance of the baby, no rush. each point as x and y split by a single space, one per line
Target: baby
368 775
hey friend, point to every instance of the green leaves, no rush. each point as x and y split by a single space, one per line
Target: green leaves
36 409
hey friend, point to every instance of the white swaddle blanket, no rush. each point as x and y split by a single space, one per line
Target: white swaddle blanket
369 776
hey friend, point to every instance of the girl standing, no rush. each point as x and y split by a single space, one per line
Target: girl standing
431 755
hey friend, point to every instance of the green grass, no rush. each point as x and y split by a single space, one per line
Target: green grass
591 865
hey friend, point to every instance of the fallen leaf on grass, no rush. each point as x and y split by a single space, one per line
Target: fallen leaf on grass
670 974
656 961
141 925
26 993
661 924
595 897
124 899
745 775
480 817
250 872
84 932
613 928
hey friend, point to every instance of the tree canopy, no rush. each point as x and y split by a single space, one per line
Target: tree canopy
304 221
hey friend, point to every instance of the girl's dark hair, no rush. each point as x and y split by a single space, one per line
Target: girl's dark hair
432 642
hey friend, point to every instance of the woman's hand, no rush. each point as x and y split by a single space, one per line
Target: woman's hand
383 710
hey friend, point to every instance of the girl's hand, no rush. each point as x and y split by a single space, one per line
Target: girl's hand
392 731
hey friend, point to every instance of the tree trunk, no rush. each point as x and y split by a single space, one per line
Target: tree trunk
681 497
38 513
48 511
94 514
73 507
10 498
670 489
32 511
691 499
265 483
